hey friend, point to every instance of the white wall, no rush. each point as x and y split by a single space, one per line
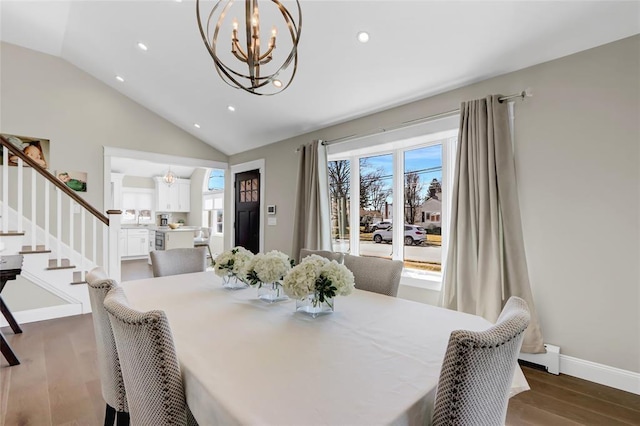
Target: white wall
577 160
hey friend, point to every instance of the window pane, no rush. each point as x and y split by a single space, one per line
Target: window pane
339 185
216 180
376 205
422 208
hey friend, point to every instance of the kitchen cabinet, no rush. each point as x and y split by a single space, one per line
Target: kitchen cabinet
134 242
174 198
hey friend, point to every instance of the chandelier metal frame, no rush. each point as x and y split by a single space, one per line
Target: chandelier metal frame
252 82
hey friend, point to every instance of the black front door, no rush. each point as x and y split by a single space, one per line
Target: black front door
247 202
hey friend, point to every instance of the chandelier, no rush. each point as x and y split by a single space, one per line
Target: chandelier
169 178
249 68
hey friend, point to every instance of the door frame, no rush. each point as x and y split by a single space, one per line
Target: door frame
259 165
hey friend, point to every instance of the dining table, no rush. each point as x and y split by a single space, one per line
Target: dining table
375 360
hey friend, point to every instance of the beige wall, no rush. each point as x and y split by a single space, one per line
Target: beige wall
138 182
577 159
45 96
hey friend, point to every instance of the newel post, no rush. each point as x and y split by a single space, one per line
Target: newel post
113 265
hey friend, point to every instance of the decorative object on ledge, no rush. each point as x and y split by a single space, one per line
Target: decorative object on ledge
35 148
230 265
258 79
169 178
267 272
74 180
315 282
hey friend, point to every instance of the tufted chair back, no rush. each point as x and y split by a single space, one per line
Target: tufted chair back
324 253
478 368
149 364
178 261
113 390
375 274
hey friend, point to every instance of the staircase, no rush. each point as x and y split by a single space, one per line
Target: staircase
53 234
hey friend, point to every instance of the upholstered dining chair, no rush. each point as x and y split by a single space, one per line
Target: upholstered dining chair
375 274
150 368
478 368
178 261
113 390
324 253
204 240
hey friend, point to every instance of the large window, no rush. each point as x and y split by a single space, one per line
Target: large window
399 190
340 182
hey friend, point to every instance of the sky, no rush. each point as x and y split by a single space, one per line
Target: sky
216 179
426 161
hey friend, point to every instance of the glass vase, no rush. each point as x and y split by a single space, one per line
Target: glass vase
232 282
312 306
271 292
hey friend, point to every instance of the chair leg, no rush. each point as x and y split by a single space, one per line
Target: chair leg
210 254
109 416
123 419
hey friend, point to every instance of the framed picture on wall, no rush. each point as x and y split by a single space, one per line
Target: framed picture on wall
35 148
74 180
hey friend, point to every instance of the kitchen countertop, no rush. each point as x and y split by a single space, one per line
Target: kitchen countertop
161 228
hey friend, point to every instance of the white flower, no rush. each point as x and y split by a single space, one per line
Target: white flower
232 261
304 278
340 276
272 266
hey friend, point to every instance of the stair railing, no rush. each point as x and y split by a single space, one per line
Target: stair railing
110 224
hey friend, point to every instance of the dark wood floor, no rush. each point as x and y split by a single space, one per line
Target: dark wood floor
58 384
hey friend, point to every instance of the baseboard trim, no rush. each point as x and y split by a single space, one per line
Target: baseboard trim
43 314
599 373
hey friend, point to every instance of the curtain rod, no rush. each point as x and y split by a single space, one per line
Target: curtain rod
523 94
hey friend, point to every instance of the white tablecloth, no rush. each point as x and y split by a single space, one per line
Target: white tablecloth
375 360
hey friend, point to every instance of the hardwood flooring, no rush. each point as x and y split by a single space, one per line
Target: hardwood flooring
57 383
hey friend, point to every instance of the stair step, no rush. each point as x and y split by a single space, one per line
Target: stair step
77 278
64 264
11 234
39 249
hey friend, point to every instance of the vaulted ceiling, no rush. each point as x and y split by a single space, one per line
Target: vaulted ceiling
416 49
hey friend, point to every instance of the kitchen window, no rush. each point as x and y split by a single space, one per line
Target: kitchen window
404 181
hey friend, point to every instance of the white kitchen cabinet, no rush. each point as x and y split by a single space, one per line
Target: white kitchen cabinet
134 242
123 242
174 198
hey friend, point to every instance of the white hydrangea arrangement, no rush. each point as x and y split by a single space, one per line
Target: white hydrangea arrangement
270 267
232 262
319 276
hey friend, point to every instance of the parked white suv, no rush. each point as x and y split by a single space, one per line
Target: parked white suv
413 234
385 224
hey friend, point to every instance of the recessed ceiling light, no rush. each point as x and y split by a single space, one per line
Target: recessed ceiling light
277 83
231 108
142 46
363 37
120 79
179 1
196 125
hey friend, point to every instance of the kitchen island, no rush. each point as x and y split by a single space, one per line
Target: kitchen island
167 239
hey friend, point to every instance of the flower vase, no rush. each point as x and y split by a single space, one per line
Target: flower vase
271 292
311 305
232 282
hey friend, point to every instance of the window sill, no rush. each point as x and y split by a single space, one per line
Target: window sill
425 281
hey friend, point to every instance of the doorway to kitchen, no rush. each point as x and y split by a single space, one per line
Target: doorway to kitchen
158 195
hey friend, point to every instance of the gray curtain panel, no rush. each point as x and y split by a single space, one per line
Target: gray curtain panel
312 224
486 262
